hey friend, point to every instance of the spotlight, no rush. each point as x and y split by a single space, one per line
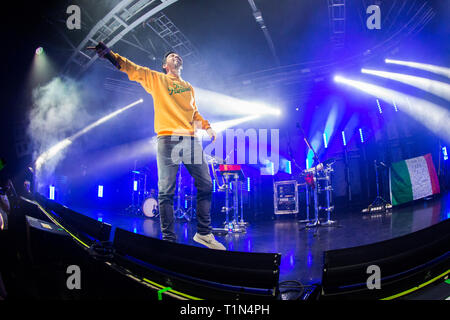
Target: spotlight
220 104
39 51
427 67
223 125
433 116
50 153
432 86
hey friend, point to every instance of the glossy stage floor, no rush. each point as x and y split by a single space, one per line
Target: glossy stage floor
301 249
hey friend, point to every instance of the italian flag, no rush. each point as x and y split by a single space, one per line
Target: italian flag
413 179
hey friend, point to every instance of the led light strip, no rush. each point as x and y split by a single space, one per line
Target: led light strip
55 221
418 287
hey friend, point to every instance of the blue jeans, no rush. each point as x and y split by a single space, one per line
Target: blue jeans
171 151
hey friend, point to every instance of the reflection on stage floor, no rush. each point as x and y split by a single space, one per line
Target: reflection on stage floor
301 249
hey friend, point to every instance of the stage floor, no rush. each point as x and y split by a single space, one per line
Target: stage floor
302 249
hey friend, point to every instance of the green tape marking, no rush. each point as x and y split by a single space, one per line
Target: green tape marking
447 281
161 291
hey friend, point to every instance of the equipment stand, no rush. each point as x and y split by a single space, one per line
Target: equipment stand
316 223
236 225
307 195
242 223
190 212
379 204
179 212
226 208
328 190
134 207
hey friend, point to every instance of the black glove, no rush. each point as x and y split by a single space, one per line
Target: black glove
104 52
102 49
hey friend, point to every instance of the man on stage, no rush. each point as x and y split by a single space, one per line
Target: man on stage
176 117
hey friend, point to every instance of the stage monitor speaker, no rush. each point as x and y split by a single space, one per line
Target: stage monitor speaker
227 268
404 263
84 226
45 275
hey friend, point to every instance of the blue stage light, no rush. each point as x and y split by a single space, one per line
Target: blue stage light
325 140
433 116
395 106
379 107
214 185
343 139
51 195
100 191
288 167
50 153
444 152
361 135
135 185
428 67
248 184
438 88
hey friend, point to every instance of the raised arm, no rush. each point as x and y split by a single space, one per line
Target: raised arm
137 73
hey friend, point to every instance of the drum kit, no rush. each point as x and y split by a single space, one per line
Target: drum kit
144 200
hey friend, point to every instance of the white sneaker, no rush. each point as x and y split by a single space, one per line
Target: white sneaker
209 241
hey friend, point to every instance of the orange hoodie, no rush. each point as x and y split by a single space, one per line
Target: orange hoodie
175 110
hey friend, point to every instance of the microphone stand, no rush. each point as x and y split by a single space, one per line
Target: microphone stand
307 196
316 223
379 204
